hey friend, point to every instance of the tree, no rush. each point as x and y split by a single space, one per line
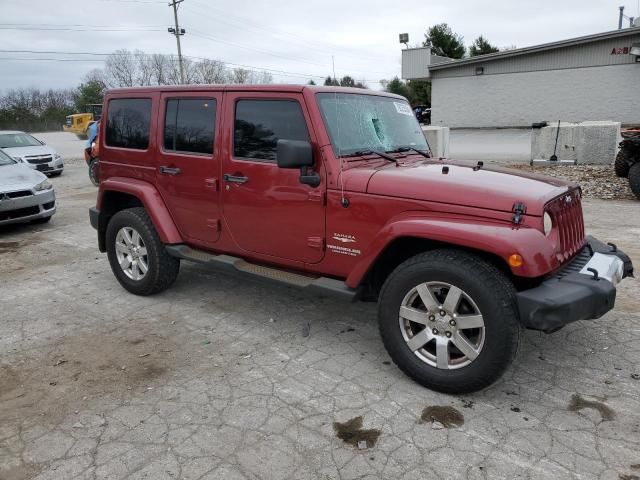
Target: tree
398 87
346 81
331 82
420 92
481 46
311 82
89 92
444 41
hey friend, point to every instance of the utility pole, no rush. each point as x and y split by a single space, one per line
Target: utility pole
619 18
178 32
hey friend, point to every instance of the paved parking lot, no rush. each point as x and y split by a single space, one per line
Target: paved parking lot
220 378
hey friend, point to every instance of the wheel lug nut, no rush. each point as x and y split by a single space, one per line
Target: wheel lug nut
432 318
452 323
442 313
434 331
448 334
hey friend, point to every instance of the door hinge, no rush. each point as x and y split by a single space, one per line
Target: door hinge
316 242
519 209
214 224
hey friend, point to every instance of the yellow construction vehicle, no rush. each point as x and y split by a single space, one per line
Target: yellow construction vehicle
78 123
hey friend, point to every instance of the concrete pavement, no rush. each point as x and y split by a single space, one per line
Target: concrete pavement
220 378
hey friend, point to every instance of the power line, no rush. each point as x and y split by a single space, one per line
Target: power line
81 29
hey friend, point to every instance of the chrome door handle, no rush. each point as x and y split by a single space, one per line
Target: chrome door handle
170 170
235 178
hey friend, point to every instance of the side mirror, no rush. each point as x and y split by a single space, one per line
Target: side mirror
294 154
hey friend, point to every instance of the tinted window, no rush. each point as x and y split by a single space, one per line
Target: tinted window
128 123
189 125
260 123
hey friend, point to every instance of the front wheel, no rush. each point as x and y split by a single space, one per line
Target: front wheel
137 255
449 320
94 171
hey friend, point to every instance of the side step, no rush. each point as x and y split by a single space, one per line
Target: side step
316 285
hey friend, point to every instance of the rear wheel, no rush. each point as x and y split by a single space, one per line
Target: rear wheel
449 320
621 165
634 179
137 256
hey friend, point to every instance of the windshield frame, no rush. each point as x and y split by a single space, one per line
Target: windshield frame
4 157
37 143
341 152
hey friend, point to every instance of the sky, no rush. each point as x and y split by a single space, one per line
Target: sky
295 40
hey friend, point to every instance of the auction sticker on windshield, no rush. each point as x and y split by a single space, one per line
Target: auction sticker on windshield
403 108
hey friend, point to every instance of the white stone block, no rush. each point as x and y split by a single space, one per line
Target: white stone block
438 138
585 142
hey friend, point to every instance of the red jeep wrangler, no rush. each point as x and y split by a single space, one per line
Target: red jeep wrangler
334 190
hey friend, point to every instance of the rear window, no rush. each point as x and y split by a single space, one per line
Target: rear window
189 125
128 123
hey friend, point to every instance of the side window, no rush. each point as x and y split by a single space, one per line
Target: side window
128 123
260 123
189 125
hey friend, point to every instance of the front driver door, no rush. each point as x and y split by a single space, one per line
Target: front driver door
266 208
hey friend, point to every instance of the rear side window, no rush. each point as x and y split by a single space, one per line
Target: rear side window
259 124
128 123
189 125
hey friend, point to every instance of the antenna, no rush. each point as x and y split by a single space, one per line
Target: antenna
343 201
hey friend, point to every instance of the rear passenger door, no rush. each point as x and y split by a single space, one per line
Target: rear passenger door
267 209
188 163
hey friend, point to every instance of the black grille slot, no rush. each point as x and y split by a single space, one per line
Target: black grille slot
37 159
48 205
22 193
19 213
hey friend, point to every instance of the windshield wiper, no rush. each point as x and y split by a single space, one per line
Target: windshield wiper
410 149
362 153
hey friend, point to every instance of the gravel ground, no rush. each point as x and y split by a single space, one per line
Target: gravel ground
222 378
597 181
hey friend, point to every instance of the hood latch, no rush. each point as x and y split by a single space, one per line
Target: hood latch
519 209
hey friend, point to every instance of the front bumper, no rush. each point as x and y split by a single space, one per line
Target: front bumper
569 295
27 208
54 166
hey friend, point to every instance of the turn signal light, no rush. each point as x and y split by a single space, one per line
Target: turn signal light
515 260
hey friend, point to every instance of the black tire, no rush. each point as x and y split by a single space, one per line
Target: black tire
162 267
493 294
621 165
94 171
634 179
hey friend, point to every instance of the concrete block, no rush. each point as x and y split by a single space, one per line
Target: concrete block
438 138
584 142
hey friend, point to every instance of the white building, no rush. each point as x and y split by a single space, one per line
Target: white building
596 77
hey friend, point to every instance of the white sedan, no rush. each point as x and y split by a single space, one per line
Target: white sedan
29 150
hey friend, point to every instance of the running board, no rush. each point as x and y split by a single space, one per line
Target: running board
316 285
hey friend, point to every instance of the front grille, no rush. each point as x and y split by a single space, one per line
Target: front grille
36 159
19 213
21 193
566 213
575 265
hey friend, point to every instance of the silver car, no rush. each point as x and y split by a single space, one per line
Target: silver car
25 195
35 153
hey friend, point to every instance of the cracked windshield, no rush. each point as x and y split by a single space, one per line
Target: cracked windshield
360 123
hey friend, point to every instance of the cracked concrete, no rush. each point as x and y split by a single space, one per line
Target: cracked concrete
221 378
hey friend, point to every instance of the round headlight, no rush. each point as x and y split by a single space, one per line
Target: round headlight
547 223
